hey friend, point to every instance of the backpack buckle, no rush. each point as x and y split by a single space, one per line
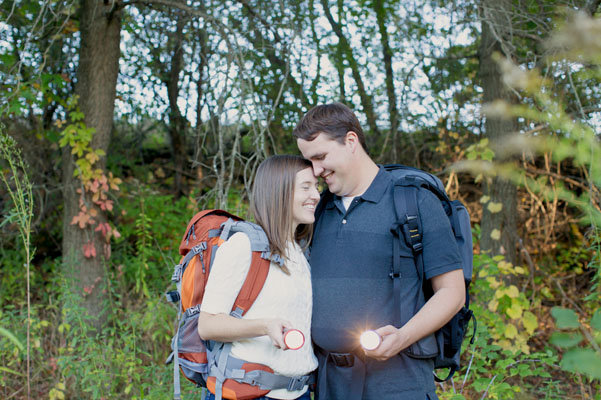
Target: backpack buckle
297 383
192 311
177 273
199 248
172 296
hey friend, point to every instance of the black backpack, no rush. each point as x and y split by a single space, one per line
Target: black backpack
407 182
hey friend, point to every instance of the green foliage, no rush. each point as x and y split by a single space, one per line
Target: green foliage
500 362
126 359
577 358
151 226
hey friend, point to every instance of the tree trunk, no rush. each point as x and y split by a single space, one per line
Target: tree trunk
177 123
495 29
100 24
378 7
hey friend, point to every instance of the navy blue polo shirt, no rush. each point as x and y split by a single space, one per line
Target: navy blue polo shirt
351 259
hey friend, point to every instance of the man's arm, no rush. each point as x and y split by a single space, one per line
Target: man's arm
448 298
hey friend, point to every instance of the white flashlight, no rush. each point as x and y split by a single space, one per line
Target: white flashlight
294 339
370 340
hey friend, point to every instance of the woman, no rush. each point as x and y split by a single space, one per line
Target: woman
283 202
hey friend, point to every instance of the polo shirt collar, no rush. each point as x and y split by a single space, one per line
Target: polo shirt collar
378 186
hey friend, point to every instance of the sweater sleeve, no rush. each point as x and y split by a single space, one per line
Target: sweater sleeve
229 270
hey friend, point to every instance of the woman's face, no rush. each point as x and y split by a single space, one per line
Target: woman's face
306 197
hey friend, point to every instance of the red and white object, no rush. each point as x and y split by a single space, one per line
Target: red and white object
294 339
370 340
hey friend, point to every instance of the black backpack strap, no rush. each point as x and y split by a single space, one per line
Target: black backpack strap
407 228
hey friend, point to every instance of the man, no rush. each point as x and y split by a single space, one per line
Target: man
351 262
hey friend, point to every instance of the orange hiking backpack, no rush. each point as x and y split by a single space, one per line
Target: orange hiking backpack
208 363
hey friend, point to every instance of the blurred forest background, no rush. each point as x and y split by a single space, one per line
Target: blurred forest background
120 119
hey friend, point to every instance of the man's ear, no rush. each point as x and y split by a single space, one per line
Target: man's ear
352 140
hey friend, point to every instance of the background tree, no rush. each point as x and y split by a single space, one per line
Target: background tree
85 251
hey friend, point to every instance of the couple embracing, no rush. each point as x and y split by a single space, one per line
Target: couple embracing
344 288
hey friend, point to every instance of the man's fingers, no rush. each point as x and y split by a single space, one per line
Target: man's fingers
386 330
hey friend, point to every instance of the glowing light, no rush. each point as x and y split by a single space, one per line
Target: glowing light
370 340
294 339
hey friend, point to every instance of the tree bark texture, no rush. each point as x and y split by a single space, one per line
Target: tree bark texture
177 122
496 26
100 25
390 93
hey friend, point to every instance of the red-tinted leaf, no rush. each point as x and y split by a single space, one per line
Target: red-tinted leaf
89 251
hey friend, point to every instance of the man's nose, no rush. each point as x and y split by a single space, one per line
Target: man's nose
317 169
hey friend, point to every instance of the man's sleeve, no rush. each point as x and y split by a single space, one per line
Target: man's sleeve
440 252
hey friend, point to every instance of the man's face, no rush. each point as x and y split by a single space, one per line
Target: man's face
331 160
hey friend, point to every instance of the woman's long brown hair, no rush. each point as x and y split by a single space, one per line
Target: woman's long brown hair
272 201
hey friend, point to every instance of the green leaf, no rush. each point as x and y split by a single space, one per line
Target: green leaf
596 320
565 318
564 339
585 361
12 338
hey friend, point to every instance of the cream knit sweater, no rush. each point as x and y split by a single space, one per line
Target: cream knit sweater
283 296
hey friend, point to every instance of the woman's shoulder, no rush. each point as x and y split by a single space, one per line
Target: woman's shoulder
236 247
238 239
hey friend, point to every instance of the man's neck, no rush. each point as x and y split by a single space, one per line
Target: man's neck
366 171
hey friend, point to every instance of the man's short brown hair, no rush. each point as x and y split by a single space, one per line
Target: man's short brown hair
334 119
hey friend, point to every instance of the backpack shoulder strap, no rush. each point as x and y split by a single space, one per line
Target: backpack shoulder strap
259 264
408 228
252 286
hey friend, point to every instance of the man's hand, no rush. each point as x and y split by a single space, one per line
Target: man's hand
393 341
448 298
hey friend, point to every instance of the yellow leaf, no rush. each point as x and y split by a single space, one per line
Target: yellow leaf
495 234
92 157
515 311
483 273
494 207
492 305
493 282
504 265
530 322
520 270
513 292
484 199
510 331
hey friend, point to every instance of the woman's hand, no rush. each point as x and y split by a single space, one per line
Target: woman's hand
274 328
